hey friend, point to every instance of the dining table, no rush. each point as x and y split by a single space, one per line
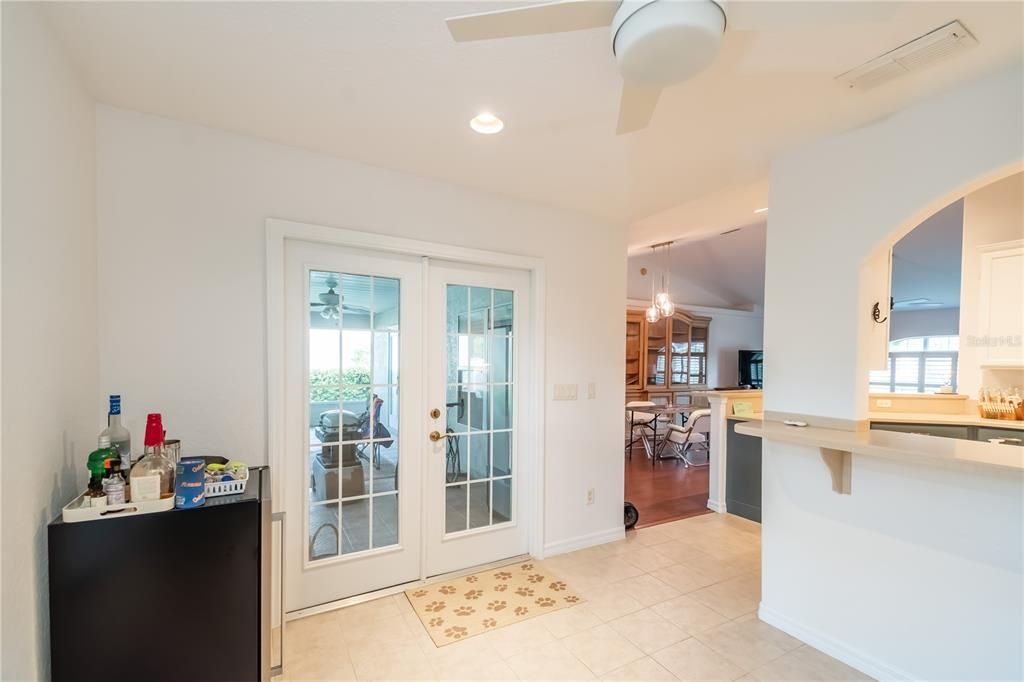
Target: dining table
654 442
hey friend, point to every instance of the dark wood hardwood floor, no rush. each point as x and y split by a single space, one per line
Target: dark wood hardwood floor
666 491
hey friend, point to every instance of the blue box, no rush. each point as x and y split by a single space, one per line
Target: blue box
190 483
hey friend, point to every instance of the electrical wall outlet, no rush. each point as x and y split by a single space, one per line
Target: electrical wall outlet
883 402
591 390
590 496
566 391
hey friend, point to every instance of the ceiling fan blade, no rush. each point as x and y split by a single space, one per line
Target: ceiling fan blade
552 17
756 15
636 107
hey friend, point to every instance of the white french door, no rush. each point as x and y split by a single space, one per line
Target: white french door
382 351
479 319
354 387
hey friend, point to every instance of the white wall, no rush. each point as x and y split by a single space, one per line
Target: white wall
181 213
992 214
928 322
918 572
731 331
52 408
893 175
915 575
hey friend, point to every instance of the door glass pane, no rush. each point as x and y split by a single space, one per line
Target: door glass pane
502 500
458 309
455 508
384 454
456 458
479 404
479 504
349 476
355 523
354 340
456 408
502 453
385 520
479 456
502 321
479 310
323 531
500 356
502 414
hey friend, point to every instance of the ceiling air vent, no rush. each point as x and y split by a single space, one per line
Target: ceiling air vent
917 54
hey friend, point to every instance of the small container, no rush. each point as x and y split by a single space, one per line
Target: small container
190 483
172 449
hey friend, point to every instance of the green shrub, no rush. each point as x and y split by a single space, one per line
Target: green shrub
323 384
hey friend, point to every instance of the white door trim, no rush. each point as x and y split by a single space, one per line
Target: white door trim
278 230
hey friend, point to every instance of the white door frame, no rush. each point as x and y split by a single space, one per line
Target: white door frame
278 231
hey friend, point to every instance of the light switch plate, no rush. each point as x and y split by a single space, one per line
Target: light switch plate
566 391
591 390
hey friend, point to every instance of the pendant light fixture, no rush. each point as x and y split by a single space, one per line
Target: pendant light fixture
661 302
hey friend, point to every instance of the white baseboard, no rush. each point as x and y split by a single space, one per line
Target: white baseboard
584 541
716 506
833 647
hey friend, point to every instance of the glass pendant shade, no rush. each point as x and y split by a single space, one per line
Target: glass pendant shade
662 299
667 309
653 314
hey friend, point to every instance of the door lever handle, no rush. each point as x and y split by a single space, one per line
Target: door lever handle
437 435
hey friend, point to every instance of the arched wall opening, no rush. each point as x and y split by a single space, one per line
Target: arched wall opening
874 275
838 203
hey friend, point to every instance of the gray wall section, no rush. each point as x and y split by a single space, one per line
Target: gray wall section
743 474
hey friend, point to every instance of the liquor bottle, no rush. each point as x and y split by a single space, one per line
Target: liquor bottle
113 484
120 437
152 477
97 464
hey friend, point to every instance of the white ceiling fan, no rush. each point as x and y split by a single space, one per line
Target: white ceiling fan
330 302
656 43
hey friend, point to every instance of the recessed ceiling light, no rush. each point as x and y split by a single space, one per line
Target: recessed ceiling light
760 210
486 124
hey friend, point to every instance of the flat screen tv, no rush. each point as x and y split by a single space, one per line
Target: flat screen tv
752 368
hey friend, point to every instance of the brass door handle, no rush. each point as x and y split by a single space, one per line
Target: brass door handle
437 435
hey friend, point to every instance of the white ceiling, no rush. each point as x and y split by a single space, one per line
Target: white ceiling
383 83
724 271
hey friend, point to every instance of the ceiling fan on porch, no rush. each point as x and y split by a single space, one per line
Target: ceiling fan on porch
331 305
656 43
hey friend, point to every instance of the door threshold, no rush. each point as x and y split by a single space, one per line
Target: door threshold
397 589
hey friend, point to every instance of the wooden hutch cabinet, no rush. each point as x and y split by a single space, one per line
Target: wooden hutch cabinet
667 359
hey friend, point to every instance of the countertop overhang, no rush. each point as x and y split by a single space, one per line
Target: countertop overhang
837 447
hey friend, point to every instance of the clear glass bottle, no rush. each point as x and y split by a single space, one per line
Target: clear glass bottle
152 476
113 484
120 437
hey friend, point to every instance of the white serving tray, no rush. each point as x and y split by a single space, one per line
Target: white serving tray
74 511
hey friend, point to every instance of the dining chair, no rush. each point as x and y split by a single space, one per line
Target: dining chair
638 422
694 436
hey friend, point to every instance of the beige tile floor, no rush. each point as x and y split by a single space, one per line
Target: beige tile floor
676 601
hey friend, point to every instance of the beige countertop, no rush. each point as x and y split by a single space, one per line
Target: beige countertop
952 419
904 447
918 418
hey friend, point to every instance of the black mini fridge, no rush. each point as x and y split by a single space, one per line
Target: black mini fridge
174 595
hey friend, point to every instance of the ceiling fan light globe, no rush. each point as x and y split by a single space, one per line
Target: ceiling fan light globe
666 41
